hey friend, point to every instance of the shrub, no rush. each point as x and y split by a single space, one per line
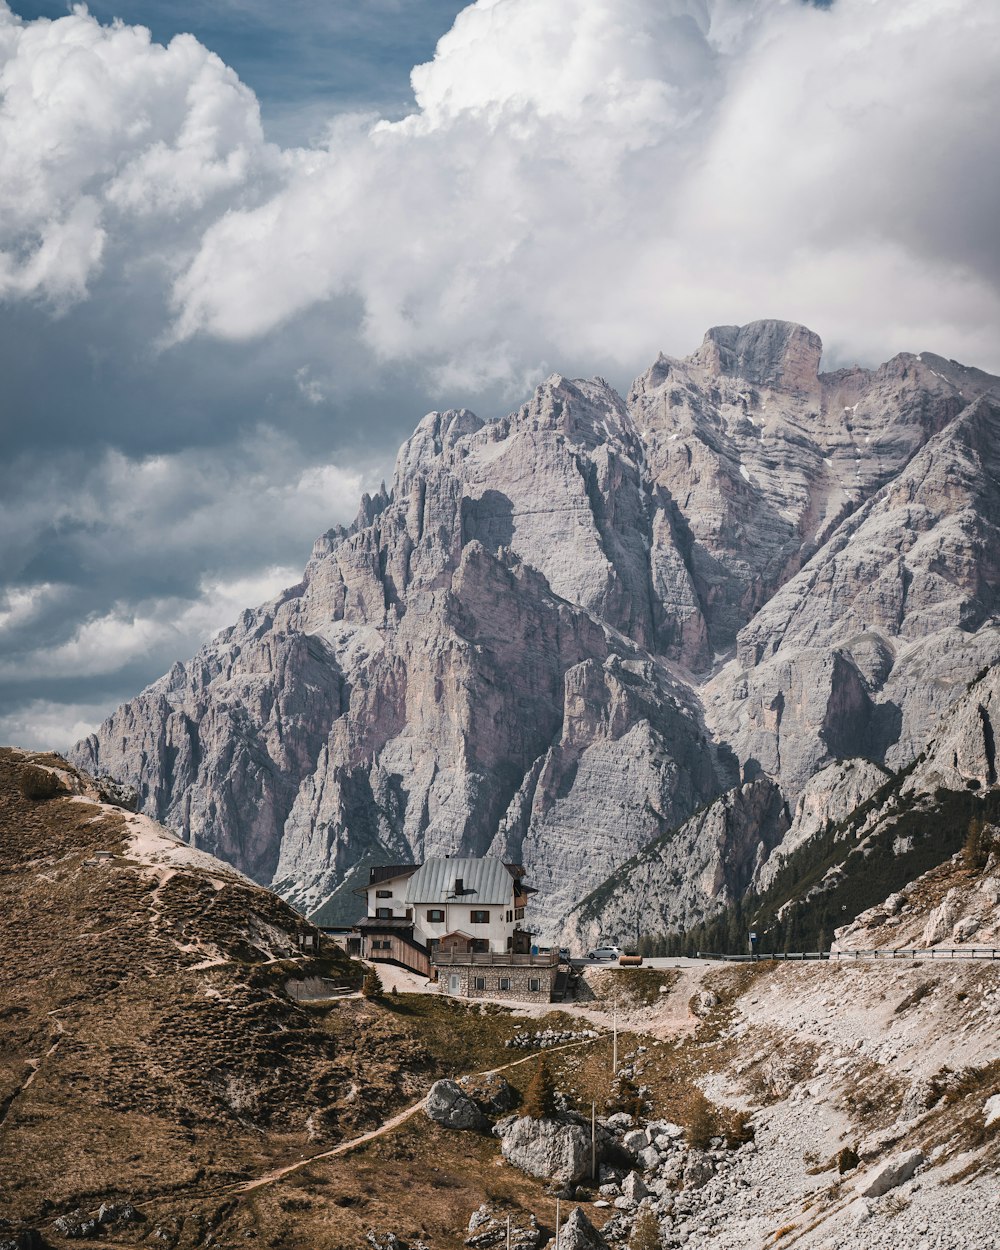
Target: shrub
38 783
702 1121
847 1160
627 1097
645 1232
540 1096
371 986
738 1129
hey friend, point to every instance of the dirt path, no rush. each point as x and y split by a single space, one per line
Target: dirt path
400 1118
671 1016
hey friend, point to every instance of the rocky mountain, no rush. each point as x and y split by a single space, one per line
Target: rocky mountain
563 635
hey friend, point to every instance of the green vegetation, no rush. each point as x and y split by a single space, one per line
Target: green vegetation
979 843
371 986
844 870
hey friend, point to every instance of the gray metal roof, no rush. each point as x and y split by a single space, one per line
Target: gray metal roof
485 881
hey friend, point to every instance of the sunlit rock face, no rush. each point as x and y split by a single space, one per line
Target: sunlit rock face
560 635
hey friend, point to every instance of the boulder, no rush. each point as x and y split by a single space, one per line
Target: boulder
649 1158
384 1240
118 1213
698 1169
704 1002
578 1234
448 1106
547 1149
663 1128
634 1188
991 1111
635 1140
492 1093
75 1224
888 1175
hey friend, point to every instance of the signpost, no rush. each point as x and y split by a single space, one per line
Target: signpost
753 943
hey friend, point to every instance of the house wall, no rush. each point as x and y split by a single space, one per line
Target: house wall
397 951
457 915
518 977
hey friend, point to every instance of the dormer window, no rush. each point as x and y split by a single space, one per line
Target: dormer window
459 883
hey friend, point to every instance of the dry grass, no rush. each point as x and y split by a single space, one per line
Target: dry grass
156 1079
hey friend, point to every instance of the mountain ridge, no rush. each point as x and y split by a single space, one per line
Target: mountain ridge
522 646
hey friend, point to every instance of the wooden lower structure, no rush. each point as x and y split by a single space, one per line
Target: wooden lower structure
392 941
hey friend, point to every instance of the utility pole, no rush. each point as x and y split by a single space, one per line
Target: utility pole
614 1044
557 1224
508 1231
593 1141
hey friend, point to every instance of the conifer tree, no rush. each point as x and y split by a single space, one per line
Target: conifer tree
371 986
645 1231
540 1096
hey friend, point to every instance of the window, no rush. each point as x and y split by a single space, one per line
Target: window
383 913
518 913
479 983
503 983
479 917
382 944
435 915
510 916
534 985
383 893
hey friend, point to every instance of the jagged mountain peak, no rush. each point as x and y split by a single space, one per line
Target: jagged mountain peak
764 353
564 631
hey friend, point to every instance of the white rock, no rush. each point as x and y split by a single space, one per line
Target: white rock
880 1179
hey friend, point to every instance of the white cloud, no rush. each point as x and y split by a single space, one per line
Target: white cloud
164 629
46 725
611 176
139 531
99 127
580 177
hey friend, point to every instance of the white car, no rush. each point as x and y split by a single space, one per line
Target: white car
604 952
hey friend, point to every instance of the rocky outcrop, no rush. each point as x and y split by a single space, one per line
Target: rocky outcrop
546 1149
688 874
559 635
963 753
450 1107
827 798
889 1174
578 1233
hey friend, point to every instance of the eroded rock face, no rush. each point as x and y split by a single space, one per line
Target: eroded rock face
688 874
523 646
448 1106
579 1234
547 1149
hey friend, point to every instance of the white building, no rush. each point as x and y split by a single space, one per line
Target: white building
467 904
461 918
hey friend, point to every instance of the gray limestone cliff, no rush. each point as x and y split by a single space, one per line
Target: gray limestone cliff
559 635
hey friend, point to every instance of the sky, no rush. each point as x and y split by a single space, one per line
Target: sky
245 246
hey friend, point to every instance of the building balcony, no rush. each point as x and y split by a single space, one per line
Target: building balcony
492 959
